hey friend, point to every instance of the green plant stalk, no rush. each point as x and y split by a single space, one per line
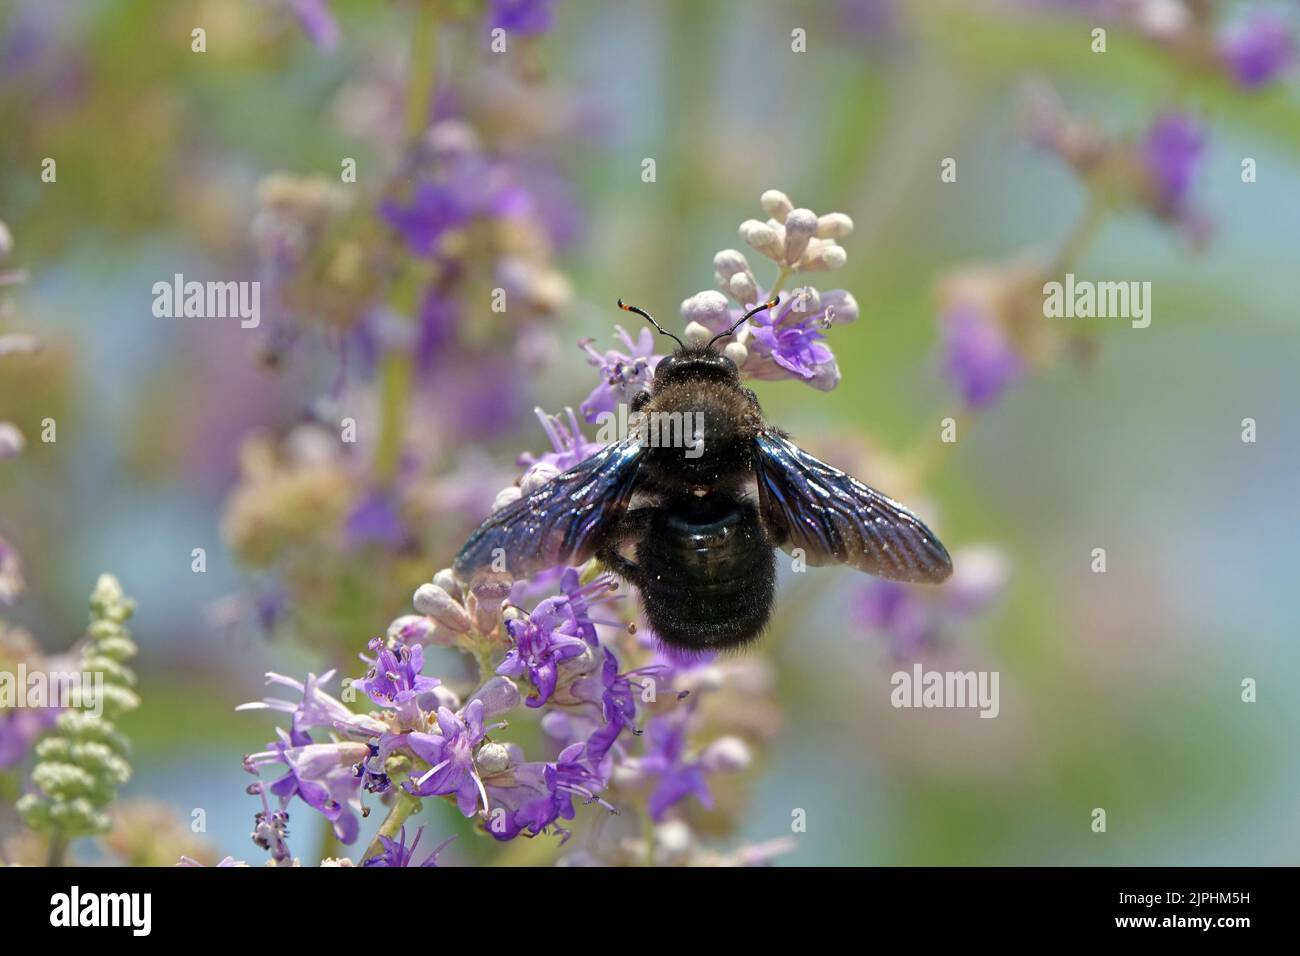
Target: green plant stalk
403 806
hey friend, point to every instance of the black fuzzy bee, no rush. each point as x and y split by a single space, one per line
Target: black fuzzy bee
702 529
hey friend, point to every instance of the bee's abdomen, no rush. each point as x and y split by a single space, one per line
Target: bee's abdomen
707 572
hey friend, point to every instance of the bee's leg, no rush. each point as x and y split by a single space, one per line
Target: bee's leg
633 525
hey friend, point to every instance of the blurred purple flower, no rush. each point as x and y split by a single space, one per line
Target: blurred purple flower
374 521
914 619
521 16
665 758
434 208
978 356
569 444
1171 151
1259 49
317 22
19 728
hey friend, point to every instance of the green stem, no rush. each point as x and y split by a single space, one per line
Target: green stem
780 281
1077 242
395 373
403 806
57 848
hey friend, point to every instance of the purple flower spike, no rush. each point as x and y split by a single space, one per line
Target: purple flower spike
978 357
665 758
1259 49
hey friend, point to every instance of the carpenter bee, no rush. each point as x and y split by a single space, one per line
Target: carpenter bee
696 533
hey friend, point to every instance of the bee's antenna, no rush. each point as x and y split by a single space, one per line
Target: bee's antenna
650 318
772 304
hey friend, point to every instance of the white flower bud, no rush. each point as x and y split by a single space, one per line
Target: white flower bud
674 843
822 256
776 204
11 441
800 226
492 758
499 695
737 353
834 225
708 308
727 754
742 288
825 377
696 334
627 774
763 238
536 476
439 605
446 579
726 263
506 497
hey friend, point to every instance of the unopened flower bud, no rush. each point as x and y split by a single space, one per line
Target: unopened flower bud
484 603
822 256
834 225
446 579
11 441
536 476
696 334
763 238
412 629
506 497
727 755
736 352
776 204
742 288
674 843
800 226
709 308
492 758
439 605
726 263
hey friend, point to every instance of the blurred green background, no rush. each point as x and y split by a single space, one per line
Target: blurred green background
1120 690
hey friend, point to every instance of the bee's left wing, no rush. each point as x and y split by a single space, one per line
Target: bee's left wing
562 522
834 517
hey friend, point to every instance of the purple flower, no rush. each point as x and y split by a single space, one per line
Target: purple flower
559 629
665 758
397 853
374 520
434 208
978 356
521 16
623 374
316 709
394 678
1259 49
569 444
317 22
323 776
450 755
1171 150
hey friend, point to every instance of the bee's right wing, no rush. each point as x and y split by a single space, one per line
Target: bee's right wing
562 522
834 517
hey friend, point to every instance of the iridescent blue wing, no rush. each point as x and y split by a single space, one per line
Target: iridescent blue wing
563 522
833 517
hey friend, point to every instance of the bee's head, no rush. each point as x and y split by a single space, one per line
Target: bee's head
696 361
